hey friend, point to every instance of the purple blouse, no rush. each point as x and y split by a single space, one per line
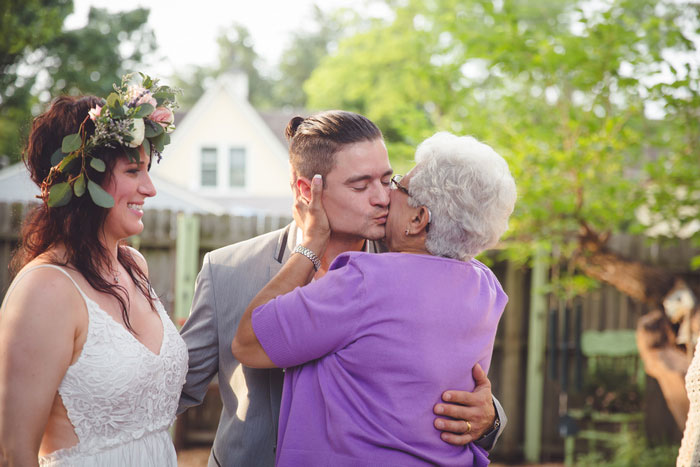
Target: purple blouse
370 348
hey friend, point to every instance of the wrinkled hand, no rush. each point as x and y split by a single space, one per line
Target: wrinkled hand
463 406
315 225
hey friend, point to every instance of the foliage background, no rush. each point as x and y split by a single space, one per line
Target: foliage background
593 103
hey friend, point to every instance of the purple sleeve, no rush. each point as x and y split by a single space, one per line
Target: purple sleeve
312 321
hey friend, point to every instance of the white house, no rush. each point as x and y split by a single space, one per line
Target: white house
17 187
226 152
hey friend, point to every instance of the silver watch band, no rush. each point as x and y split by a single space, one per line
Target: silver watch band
309 254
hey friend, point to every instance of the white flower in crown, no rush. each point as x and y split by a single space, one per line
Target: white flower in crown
120 120
138 131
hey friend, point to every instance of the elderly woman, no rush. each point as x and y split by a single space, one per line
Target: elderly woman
370 346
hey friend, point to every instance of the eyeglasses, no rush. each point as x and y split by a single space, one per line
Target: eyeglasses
396 185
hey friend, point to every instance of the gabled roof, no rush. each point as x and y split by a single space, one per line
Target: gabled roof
277 120
227 83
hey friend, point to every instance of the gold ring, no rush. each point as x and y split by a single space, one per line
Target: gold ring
469 427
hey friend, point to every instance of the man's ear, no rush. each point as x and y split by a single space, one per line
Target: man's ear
304 187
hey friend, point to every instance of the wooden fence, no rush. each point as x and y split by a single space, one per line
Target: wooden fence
604 308
157 242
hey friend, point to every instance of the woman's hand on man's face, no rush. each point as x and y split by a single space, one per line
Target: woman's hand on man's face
313 217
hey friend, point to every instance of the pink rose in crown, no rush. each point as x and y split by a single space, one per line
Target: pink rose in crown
95 112
138 95
164 116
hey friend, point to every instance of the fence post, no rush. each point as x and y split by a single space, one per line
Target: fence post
187 264
512 380
535 357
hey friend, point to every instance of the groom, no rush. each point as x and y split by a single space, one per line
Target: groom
349 151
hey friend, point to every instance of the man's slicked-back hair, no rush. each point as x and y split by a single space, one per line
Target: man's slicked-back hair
315 140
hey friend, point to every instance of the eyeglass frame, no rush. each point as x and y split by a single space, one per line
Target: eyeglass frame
396 185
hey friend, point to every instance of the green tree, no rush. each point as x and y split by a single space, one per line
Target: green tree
279 86
85 60
26 25
595 105
305 51
236 52
563 89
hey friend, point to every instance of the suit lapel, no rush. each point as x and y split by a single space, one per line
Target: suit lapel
287 241
285 244
375 246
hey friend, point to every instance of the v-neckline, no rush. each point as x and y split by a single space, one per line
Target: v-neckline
125 330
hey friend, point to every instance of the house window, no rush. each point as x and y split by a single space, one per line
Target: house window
237 167
208 167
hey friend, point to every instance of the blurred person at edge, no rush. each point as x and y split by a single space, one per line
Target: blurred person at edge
369 347
91 367
349 151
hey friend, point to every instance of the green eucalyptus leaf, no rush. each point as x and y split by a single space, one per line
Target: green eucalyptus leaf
71 143
133 154
63 166
113 100
147 81
159 142
71 164
165 90
59 195
144 111
164 93
146 146
99 196
57 156
97 164
117 111
79 186
152 128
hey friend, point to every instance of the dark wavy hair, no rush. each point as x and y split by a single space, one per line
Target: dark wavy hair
315 140
77 225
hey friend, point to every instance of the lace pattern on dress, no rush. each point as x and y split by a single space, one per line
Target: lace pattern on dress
118 391
689 454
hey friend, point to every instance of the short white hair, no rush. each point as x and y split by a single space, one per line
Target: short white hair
469 190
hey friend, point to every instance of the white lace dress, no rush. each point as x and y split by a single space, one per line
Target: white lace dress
120 397
689 454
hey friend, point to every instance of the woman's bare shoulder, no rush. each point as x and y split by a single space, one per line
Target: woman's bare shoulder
43 290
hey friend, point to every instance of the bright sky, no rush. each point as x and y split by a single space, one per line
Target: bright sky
186 31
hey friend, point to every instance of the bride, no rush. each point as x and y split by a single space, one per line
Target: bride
91 367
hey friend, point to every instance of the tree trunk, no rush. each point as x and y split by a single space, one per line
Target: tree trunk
662 358
644 283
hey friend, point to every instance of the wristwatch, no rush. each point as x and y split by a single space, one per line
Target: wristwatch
301 249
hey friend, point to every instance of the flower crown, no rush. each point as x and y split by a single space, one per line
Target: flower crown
131 116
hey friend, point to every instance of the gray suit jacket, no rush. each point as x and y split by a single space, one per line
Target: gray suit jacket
229 279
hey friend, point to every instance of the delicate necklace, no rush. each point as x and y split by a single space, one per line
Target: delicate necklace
115 275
